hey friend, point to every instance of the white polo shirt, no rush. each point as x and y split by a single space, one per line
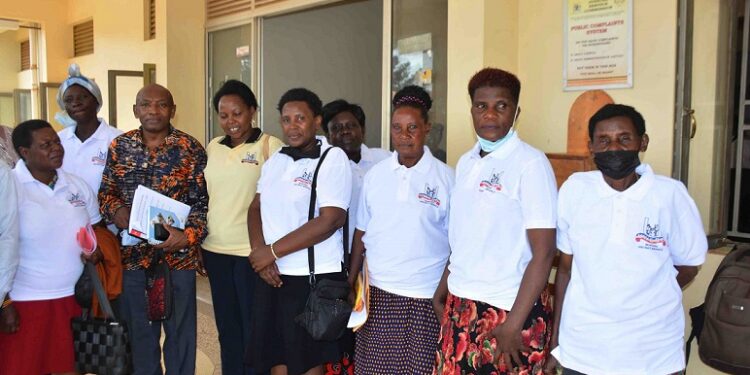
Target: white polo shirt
404 214
495 200
87 159
284 188
50 256
622 311
370 157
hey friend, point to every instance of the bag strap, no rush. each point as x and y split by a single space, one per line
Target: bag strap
99 289
311 215
347 255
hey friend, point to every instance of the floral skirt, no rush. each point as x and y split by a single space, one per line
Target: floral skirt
467 345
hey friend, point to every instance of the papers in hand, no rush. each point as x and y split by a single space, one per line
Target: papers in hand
362 300
150 210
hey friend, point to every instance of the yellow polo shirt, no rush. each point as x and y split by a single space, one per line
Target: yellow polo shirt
231 178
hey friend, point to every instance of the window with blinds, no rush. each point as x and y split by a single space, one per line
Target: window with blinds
149 19
25 55
83 38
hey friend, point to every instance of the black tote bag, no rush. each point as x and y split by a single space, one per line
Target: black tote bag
100 345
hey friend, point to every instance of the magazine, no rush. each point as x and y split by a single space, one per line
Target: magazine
151 210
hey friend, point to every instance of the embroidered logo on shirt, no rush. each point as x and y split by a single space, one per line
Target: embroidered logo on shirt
250 158
100 158
650 238
75 200
305 180
429 196
492 184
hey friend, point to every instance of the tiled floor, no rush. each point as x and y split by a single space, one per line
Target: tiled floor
208 360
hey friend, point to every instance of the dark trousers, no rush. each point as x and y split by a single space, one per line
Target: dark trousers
180 328
231 279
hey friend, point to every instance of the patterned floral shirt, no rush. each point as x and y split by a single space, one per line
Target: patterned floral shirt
174 169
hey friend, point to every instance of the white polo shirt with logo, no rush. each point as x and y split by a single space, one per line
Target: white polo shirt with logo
49 219
495 200
404 214
622 312
284 188
87 159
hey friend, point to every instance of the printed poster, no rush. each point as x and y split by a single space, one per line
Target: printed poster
598 45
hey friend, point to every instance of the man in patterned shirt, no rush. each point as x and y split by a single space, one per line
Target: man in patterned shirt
169 161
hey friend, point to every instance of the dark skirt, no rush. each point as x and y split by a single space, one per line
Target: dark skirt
399 337
468 347
275 339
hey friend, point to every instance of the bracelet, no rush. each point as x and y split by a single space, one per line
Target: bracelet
274 253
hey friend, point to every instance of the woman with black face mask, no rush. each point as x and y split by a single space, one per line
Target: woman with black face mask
632 239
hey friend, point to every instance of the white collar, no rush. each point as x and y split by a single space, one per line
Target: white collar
99 134
422 166
504 151
636 191
24 176
365 154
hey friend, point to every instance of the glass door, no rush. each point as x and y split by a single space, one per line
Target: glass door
229 57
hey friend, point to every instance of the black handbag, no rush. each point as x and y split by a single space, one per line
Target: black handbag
159 294
327 309
100 345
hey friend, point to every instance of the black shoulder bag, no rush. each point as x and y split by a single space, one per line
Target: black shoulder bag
100 345
327 309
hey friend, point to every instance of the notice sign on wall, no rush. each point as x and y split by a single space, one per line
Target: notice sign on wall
598 45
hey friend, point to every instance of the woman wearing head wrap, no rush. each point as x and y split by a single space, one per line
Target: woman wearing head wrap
402 227
85 138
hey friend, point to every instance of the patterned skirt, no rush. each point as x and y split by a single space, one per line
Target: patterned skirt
399 337
468 347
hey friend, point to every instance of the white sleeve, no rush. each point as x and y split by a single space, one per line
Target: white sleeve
335 180
563 226
8 230
363 208
687 242
538 194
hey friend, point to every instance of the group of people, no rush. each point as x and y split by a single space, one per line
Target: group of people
458 262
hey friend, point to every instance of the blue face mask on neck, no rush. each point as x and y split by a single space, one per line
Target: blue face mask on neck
490 146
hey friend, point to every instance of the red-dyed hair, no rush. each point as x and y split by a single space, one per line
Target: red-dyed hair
493 77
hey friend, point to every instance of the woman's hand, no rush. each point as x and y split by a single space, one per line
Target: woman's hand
509 344
271 276
438 304
261 257
9 319
94 257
